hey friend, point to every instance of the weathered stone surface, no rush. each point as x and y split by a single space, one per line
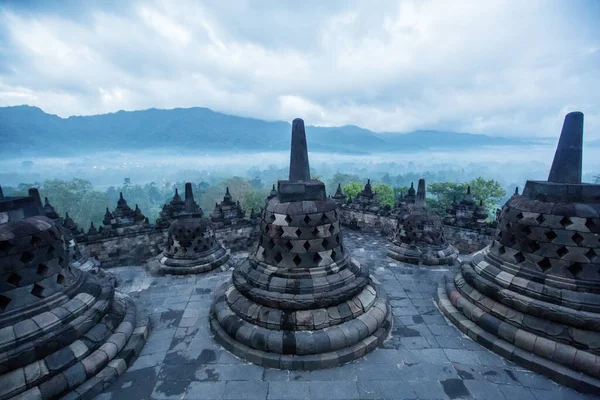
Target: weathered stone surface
292 302
534 293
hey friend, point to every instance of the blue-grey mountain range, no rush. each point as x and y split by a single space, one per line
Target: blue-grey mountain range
27 130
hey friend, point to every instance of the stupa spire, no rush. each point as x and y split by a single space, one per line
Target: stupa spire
190 204
566 167
420 201
299 167
1 193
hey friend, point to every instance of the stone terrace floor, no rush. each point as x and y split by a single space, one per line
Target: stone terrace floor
425 356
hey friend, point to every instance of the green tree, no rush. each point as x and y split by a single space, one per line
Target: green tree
597 179
385 194
351 190
340 179
489 191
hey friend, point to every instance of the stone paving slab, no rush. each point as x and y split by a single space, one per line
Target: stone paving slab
425 357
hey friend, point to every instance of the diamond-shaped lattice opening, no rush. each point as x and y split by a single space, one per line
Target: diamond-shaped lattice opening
575 269
306 245
551 235
562 251
519 257
591 255
519 216
288 219
50 252
298 232
297 260
14 279
526 230
333 255
317 258
60 279
307 220
540 218
196 248
544 264
511 240
315 231
35 240
324 219
42 269
325 243
337 239
566 221
270 244
534 246
501 250
27 257
5 245
278 257
4 301
499 235
589 223
577 238
331 228
272 218
37 291
288 245
279 231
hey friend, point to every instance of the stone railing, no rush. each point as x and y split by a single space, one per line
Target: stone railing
135 245
466 241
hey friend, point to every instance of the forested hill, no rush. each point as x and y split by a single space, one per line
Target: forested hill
26 130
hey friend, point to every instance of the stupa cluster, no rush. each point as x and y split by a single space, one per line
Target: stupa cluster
299 300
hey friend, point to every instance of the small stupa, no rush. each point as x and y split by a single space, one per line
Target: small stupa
533 295
419 237
339 197
228 211
192 247
300 301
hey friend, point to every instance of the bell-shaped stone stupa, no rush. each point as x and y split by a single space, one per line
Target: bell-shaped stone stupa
192 247
64 333
300 301
533 295
419 238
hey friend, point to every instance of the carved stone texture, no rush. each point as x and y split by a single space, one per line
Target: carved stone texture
533 295
65 332
191 247
300 301
366 200
123 216
467 214
228 211
419 237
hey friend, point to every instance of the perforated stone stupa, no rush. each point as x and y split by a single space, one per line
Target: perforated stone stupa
339 197
123 216
366 200
466 213
192 247
533 295
300 301
64 333
171 210
227 211
419 238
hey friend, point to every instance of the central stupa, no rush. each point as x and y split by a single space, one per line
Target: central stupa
300 301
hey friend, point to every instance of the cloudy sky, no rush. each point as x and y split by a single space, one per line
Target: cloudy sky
495 67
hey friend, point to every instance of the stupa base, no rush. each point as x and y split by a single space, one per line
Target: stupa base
266 342
444 255
199 265
512 338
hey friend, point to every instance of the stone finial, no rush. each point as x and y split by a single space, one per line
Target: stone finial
46 202
299 167
516 191
190 204
227 191
176 197
120 195
469 189
1 193
480 203
420 201
566 167
33 192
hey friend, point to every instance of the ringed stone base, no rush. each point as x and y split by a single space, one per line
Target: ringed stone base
548 338
198 265
300 339
434 255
